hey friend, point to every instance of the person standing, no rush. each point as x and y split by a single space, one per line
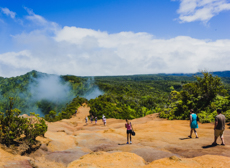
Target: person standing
104 120
219 127
96 120
91 119
129 131
193 123
86 120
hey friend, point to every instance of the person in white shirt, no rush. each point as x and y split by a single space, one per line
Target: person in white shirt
104 120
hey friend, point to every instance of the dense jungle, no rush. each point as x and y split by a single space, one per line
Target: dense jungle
56 97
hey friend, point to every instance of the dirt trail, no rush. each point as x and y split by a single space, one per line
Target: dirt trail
72 143
82 112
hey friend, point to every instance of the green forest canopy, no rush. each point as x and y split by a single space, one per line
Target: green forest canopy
125 96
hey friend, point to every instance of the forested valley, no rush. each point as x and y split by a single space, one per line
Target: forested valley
56 97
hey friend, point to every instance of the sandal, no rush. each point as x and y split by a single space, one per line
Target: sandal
223 144
189 136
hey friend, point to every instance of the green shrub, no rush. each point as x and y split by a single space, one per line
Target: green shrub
13 127
205 96
68 112
227 115
205 117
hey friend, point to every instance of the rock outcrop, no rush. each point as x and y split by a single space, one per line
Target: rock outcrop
158 143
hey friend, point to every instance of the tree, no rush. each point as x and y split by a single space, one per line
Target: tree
197 95
13 126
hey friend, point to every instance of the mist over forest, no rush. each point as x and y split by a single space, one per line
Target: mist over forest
39 92
57 97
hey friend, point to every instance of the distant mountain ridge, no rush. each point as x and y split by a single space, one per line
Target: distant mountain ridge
215 73
224 74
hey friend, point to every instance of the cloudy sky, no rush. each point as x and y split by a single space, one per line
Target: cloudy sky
114 37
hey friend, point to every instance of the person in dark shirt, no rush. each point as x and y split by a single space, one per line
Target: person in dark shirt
91 119
219 127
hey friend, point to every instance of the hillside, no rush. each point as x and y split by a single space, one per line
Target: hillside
158 143
69 142
40 92
131 96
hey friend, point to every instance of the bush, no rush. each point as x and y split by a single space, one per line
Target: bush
68 112
205 117
227 115
15 128
205 96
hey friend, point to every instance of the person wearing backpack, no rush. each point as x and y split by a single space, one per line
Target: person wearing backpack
193 123
129 131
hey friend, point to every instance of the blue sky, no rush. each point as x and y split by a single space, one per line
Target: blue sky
114 37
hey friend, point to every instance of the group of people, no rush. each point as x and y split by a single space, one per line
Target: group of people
95 118
91 119
219 126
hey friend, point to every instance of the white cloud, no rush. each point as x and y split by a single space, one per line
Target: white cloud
87 52
40 21
8 12
35 18
201 10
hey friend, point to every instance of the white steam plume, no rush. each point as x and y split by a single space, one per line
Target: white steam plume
50 88
94 91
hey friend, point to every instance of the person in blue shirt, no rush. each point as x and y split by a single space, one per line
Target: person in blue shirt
193 123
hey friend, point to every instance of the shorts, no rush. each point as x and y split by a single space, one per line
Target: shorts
129 131
218 133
